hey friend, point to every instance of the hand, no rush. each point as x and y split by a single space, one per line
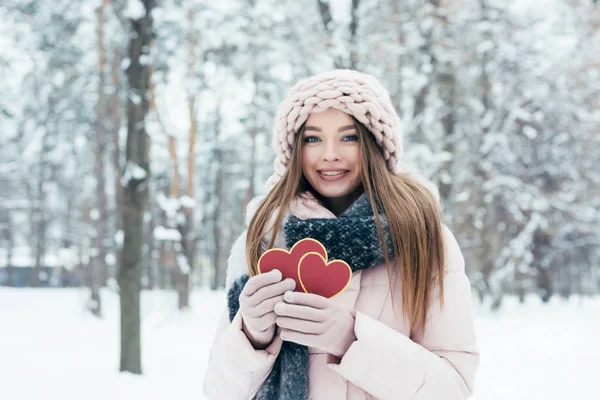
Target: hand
315 321
257 300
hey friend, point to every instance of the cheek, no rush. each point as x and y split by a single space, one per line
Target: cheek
353 156
308 158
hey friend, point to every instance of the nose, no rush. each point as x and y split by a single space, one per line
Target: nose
332 152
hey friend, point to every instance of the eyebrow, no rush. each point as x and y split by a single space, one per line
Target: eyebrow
316 128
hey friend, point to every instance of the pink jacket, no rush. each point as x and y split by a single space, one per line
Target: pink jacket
385 362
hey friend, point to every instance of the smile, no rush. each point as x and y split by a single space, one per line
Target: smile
332 174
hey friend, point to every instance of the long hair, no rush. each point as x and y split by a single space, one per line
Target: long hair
414 217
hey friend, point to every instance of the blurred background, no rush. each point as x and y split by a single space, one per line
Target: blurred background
134 132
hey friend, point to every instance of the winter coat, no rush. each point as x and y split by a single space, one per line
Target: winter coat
387 361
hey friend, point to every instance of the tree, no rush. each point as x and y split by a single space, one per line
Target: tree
98 274
135 182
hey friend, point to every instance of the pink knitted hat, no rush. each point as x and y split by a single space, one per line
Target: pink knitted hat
358 94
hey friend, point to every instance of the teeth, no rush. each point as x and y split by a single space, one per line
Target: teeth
332 173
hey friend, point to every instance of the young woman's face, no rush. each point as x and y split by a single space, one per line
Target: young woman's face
331 154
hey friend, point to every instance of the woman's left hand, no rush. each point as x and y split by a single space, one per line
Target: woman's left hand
315 321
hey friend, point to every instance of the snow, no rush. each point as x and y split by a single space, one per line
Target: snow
530 132
145 59
169 205
184 266
135 10
187 201
132 170
135 98
125 63
68 257
110 259
119 238
521 53
162 233
534 351
94 214
539 352
23 257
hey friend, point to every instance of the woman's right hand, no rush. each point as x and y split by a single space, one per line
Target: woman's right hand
257 301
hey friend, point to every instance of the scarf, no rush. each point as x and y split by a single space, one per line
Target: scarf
352 237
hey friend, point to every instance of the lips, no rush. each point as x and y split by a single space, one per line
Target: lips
332 172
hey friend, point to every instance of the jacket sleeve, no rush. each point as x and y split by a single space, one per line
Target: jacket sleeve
441 363
235 369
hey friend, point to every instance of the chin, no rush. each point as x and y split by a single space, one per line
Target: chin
329 191
333 194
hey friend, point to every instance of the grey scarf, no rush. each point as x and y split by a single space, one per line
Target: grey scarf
351 237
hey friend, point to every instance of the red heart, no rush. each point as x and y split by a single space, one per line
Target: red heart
288 262
322 278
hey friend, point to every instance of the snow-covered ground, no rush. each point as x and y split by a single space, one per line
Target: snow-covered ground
51 349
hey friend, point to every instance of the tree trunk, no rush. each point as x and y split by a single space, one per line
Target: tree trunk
163 270
541 246
99 270
39 215
115 116
251 191
187 238
327 19
116 125
445 82
168 259
135 194
425 51
353 30
219 268
9 250
150 261
67 242
183 289
36 269
253 130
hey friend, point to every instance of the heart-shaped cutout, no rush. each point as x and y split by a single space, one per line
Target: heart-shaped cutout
288 262
327 279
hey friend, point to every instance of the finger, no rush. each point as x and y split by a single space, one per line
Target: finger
265 307
274 290
300 312
300 338
265 322
307 299
255 325
300 325
258 281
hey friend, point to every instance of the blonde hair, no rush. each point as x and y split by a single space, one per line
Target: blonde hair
414 217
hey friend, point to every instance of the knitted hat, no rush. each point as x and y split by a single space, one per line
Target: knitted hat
358 94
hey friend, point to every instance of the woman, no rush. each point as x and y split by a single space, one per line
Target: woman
403 328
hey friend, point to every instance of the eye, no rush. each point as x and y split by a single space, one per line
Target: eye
350 138
310 139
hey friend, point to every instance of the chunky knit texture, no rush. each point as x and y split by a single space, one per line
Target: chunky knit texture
355 93
353 238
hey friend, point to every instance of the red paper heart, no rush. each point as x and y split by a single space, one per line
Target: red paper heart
288 262
322 278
